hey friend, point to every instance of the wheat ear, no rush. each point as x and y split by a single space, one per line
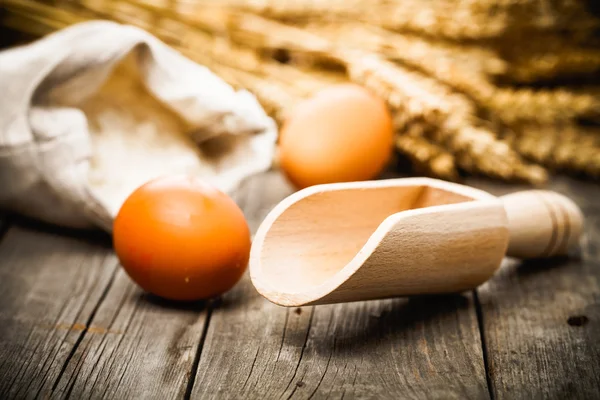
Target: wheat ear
569 147
427 157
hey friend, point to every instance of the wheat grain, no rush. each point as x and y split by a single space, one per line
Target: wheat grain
561 63
412 49
569 147
445 18
426 157
416 95
464 68
546 106
446 116
509 105
295 9
433 17
477 150
542 56
546 15
483 19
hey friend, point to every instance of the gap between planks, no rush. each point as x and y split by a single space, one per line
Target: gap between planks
194 369
484 349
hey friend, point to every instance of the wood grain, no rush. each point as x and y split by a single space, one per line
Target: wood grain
541 318
137 347
423 347
542 224
51 285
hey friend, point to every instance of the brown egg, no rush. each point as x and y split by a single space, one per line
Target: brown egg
343 133
182 239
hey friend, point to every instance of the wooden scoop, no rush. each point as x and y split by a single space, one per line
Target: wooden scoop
367 240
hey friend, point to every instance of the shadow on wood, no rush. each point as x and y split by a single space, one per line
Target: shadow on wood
97 236
404 315
540 266
166 304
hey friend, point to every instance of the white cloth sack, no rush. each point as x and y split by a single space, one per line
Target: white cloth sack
91 112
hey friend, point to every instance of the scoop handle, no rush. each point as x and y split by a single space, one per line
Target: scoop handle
541 223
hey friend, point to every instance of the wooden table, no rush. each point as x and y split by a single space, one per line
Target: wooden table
72 325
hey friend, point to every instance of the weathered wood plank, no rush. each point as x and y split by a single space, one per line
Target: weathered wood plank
416 348
137 347
542 318
401 348
51 285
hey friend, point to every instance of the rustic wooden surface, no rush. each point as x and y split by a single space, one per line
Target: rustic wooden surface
72 325
541 319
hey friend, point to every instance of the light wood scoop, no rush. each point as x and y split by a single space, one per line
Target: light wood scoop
367 240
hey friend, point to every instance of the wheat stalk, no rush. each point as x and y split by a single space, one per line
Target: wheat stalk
569 147
510 106
546 106
544 56
444 18
410 48
566 62
448 119
427 157
294 9
435 17
464 67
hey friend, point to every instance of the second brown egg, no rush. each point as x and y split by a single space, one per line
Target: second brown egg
342 133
